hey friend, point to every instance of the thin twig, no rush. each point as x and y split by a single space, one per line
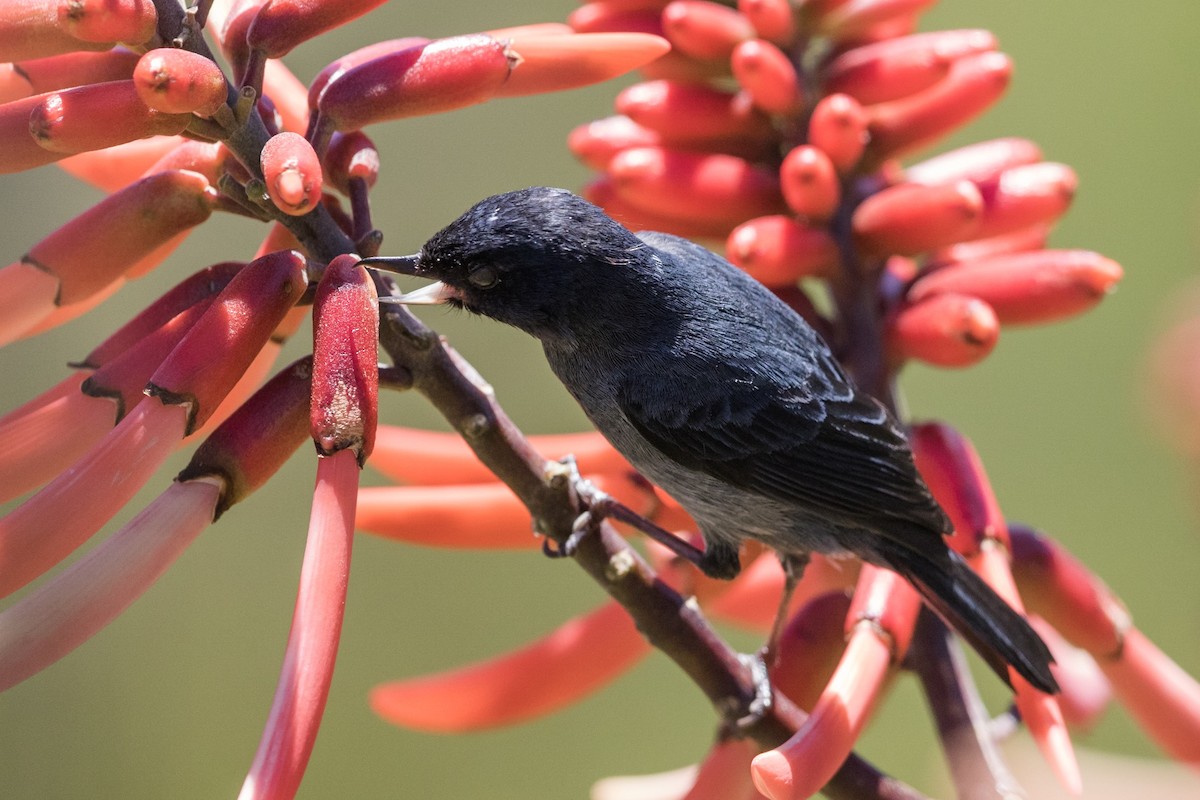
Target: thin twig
978 771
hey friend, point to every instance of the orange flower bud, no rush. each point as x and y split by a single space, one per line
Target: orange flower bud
681 111
498 691
773 20
703 29
896 68
553 63
777 250
838 126
292 172
1034 194
980 162
947 330
707 188
603 193
911 218
606 17
855 18
595 143
97 116
177 81
974 83
810 183
768 76
1037 286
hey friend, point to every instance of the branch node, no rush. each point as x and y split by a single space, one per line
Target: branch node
620 565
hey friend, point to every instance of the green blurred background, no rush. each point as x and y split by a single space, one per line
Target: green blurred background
170 700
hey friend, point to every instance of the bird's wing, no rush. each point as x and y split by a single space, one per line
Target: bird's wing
797 432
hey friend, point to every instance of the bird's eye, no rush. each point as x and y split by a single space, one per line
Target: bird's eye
483 278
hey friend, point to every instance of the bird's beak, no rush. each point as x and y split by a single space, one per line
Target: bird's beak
404 265
433 294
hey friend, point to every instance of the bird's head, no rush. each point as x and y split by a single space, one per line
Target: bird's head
533 259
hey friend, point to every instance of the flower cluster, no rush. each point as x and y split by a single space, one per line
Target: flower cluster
773 128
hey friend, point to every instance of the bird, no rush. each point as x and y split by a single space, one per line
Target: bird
719 393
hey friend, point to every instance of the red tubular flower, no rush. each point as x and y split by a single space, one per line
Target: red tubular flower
477 515
1029 287
1162 697
127 232
778 250
97 116
422 79
237 459
307 672
703 29
899 67
911 218
810 183
431 458
35 28
767 76
972 86
554 63
76 69
947 330
715 188
345 401
499 691
115 167
880 623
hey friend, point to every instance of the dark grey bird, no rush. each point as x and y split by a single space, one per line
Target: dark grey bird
720 394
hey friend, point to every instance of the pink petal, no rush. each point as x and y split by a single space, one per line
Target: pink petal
27 294
801 766
48 526
58 616
307 669
537 679
46 435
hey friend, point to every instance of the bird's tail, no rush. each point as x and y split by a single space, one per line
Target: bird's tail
975 612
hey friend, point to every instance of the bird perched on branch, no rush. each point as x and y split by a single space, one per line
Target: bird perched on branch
720 394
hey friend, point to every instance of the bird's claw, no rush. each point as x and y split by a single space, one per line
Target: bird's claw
597 505
764 693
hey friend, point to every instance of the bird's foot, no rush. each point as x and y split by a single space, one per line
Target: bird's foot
596 505
744 717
